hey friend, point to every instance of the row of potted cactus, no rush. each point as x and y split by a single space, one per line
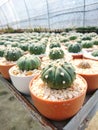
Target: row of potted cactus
57 88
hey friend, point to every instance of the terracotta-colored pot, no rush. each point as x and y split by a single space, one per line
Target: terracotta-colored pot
4 69
77 56
58 110
91 78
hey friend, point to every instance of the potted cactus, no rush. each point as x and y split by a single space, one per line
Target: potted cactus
88 69
27 66
57 92
93 54
11 55
75 49
37 49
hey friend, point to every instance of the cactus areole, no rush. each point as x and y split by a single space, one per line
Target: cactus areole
58 75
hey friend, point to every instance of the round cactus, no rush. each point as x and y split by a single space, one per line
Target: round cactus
87 44
28 62
2 50
58 75
86 38
74 48
37 48
72 37
13 53
56 53
95 42
24 46
84 65
54 44
95 53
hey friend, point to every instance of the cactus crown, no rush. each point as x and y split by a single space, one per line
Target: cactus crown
54 44
58 75
56 53
74 48
84 65
37 48
28 62
13 53
95 53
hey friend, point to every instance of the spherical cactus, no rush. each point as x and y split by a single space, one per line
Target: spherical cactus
56 53
74 48
58 75
95 53
2 50
13 53
37 48
86 38
84 65
72 37
54 44
95 42
87 44
24 46
28 62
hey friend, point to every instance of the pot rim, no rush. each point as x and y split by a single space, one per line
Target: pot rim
24 76
62 101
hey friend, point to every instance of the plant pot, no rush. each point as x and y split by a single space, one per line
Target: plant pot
77 55
4 68
91 78
21 83
60 109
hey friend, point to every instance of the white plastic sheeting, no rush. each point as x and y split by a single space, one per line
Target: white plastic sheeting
48 13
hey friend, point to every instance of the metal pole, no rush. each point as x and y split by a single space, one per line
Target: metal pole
84 15
48 17
27 13
13 12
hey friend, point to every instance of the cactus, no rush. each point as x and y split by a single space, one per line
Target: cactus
54 44
95 42
24 46
13 53
95 53
72 37
2 50
56 53
58 75
37 48
87 44
74 48
86 38
28 62
84 65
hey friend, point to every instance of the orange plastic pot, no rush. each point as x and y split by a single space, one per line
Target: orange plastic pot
92 81
58 110
4 69
77 56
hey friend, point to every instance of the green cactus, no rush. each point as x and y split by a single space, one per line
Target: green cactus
13 53
86 38
58 75
2 50
54 44
95 42
28 62
72 37
56 53
74 48
95 53
37 48
24 46
87 44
